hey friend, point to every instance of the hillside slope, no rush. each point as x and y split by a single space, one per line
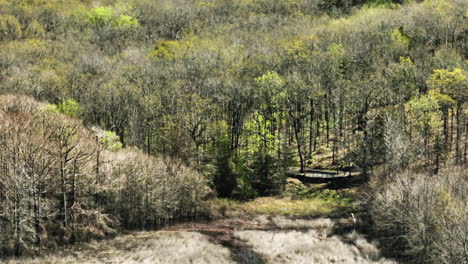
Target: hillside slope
61 182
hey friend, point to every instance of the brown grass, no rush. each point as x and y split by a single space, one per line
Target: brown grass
141 247
309 247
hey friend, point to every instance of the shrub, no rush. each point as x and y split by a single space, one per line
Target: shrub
424 218
10 28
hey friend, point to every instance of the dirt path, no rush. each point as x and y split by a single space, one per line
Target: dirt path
222 232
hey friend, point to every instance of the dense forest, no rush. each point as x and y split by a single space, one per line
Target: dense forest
127 114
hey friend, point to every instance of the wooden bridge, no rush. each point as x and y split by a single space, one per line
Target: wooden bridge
322 176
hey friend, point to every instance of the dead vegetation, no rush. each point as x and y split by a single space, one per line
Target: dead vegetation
271 239
140 247
309 247
62 183
423 217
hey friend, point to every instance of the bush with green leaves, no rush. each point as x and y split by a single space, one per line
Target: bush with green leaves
106 16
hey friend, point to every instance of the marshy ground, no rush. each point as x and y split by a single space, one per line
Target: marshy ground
263 239
306 224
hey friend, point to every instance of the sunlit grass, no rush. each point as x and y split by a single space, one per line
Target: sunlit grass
298 201
315 207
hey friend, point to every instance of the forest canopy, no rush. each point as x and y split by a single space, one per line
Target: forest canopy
244 89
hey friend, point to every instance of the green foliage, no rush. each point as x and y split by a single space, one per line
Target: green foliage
34 30
261 136
266 174
225 178
101 16
299 200
107 16
10 28
425 112
345 199
51 108
270 80
110 140
400 37
69 107
336 50
337 57
125 22
403 80
170 50
454 83
270 95
300 47
443 100
245 178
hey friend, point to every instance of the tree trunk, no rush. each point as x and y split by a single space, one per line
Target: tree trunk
459 130
296 128
311 127
451 128
327 119
438 151
36 209
446 135
63 190
466 143
317 135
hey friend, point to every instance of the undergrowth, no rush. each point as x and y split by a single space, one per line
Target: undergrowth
298 200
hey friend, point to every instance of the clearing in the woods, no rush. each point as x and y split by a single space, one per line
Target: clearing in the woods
307 223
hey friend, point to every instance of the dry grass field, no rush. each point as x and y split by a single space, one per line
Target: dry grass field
297 247
142 248
263 239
